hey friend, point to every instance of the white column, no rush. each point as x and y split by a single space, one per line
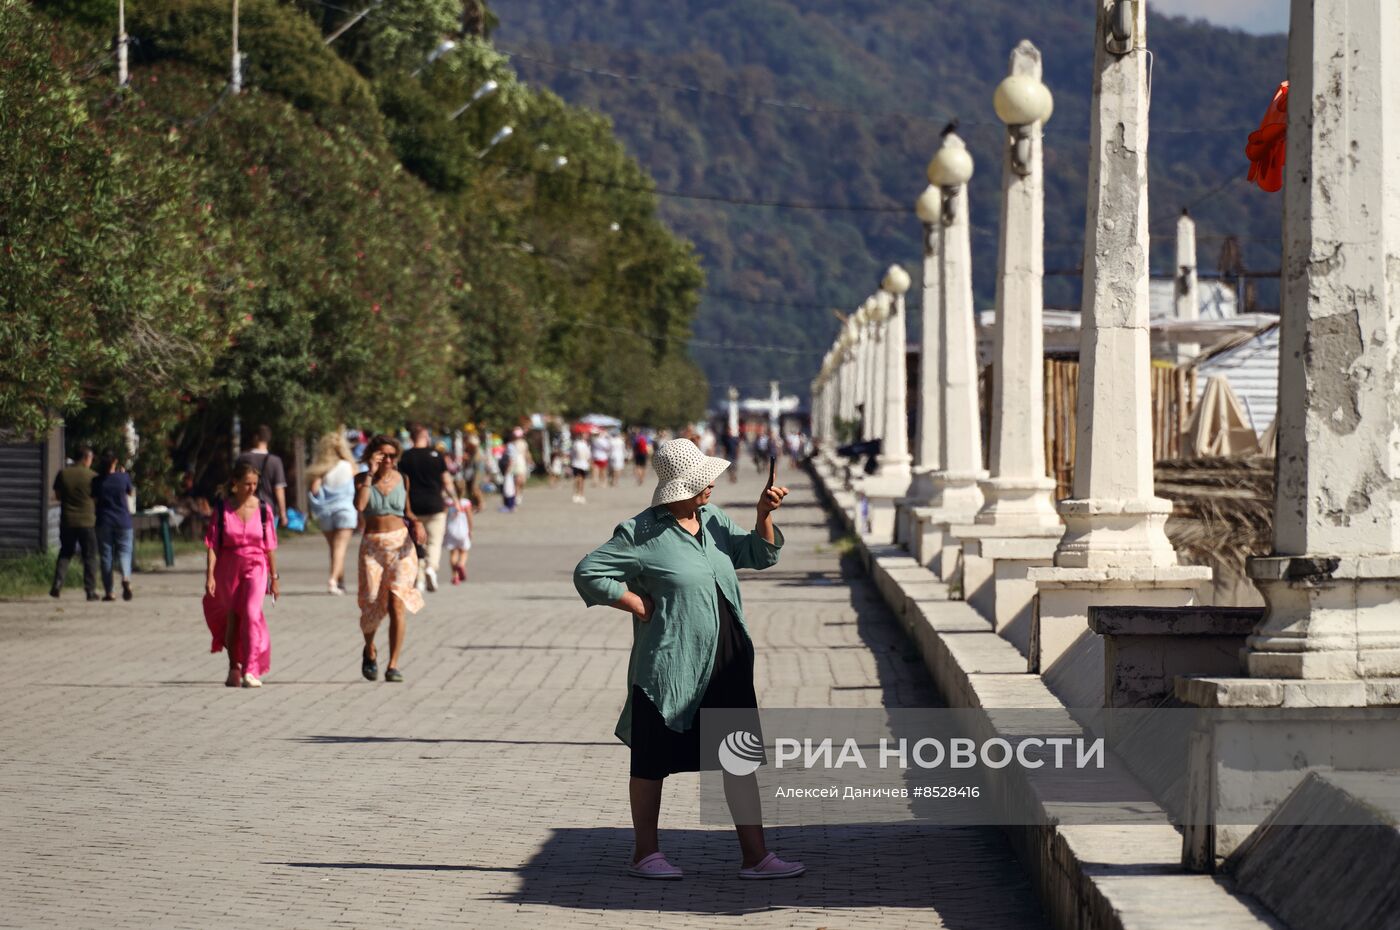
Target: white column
1114 518
961 422
863 397
894 449
875 387
1188 298
928 431
1019 494
1115 548
1333 581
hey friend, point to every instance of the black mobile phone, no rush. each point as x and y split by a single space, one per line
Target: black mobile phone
772 471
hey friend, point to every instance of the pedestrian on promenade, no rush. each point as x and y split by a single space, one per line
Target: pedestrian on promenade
114 497
272 474
580 459
672 567
731 452
388 554
429 482
602 449
332 495
522 463
240 570
77 522
617 457
641 448
460 520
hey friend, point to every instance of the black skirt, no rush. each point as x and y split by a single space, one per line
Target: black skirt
658 750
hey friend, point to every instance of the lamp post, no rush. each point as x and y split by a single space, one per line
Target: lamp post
443 47
123 76
925 487
488 88
894 451
502 134
870 316
1019 494
960 438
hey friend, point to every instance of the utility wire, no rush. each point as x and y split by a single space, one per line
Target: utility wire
816 109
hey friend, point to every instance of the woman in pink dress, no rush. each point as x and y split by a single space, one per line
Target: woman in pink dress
242 568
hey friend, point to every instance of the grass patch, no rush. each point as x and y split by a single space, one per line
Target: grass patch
30 575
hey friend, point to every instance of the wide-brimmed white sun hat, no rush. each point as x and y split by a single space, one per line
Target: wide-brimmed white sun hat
683 471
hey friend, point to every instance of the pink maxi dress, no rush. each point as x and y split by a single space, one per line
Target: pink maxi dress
240 583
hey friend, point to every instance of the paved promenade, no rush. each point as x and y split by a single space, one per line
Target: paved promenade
486 791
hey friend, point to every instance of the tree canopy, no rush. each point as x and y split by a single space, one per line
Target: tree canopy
329 245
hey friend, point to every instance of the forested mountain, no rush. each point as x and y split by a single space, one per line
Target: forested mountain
840 102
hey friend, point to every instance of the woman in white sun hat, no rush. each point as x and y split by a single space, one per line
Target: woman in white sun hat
672 567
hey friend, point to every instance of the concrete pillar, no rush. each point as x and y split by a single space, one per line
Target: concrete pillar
864 338
924 488
1018 523
874 351
1018 493
1115 548
1332 583
961 435
1188 297
960 423
894 454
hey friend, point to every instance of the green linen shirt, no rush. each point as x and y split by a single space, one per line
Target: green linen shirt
652 555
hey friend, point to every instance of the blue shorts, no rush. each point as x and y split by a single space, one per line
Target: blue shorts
337 520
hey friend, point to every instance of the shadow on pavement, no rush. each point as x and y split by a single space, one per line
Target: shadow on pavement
849 866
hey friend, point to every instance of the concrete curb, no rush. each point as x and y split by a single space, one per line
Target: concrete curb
1088 876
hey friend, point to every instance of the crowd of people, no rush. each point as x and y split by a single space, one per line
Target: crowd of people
408 499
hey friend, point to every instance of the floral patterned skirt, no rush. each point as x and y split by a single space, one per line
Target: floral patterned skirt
388 568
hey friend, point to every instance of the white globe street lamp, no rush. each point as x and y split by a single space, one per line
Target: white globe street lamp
1022 101
896 280
950 169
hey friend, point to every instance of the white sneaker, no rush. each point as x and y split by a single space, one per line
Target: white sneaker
250 681
431 574
421 585
333 588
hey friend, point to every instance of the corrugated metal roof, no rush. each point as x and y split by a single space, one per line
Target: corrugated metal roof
1216 299
1252 370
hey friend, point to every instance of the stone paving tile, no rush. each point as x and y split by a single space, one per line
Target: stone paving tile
486 791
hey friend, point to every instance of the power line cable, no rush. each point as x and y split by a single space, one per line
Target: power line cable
686 195
822 110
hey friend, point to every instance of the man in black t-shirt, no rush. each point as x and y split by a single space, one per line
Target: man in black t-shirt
428 480
272 480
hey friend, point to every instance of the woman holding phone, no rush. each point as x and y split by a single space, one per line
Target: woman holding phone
672 567
388 554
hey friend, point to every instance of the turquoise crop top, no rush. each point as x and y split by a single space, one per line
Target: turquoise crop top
386 505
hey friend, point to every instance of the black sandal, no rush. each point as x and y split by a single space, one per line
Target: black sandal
368 667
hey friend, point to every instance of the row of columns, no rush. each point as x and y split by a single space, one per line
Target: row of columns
1332 582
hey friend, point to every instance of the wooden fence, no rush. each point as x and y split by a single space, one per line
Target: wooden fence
1173 401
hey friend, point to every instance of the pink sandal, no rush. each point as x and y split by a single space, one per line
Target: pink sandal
770 866
654 866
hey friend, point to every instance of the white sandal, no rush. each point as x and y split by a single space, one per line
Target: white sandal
654 866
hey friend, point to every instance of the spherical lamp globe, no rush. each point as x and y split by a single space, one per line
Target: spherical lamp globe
896 280
952 163
1021 100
